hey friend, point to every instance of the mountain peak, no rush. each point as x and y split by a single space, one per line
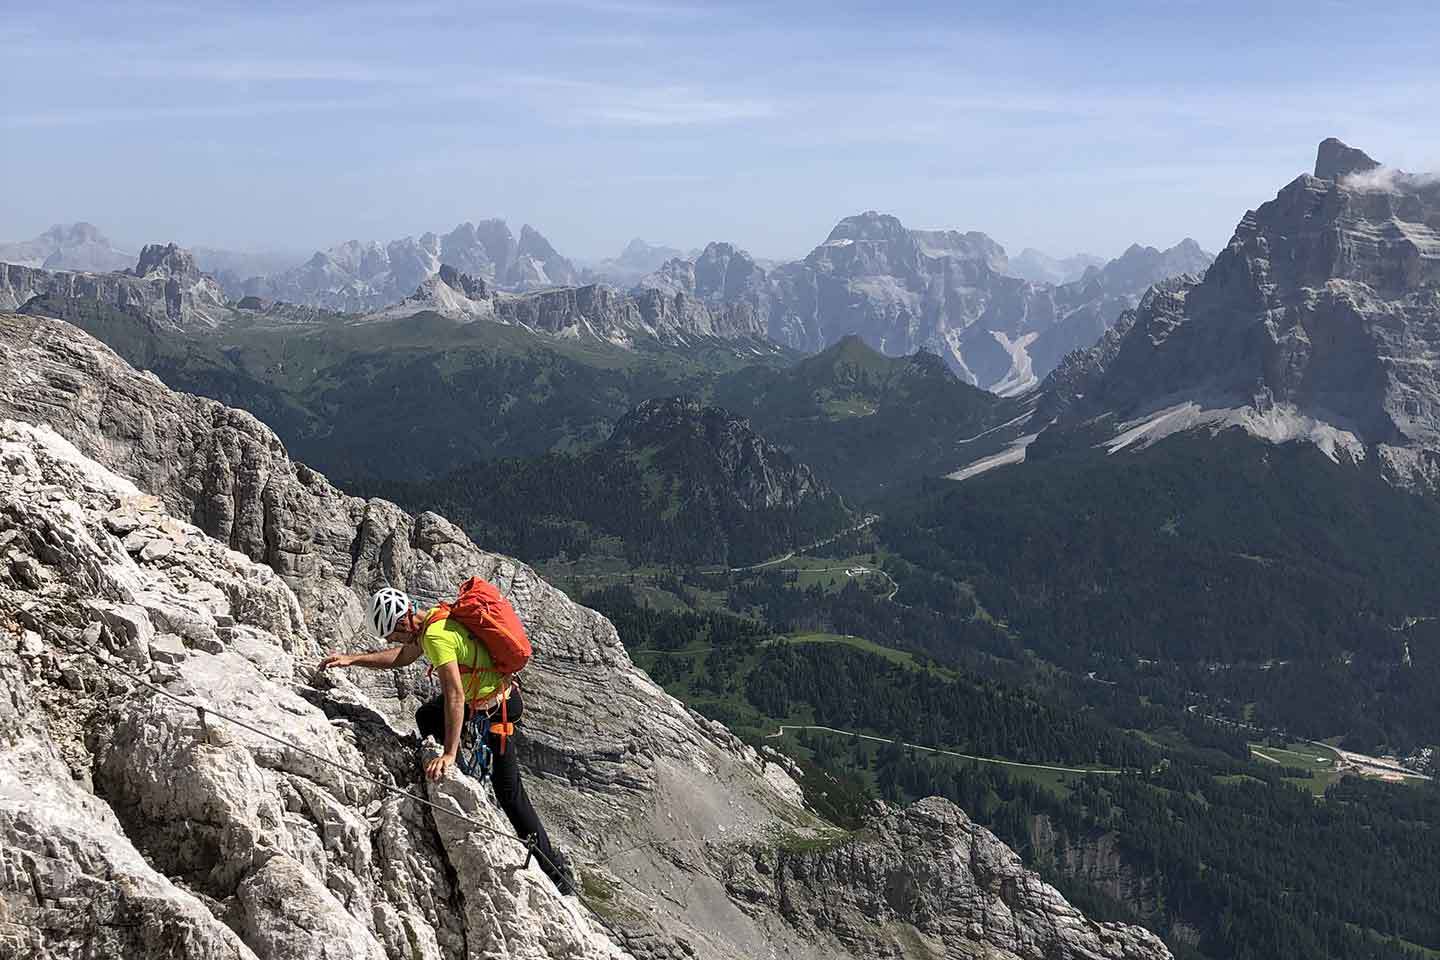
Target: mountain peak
636 248
533 243
869 225
1336 159
472 287
166 258
71 234
741 472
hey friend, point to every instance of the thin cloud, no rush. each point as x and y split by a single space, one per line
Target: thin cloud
207 111
637 106
677 111
253 71
633 8
1389 180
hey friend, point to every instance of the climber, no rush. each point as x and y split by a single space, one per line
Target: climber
446 643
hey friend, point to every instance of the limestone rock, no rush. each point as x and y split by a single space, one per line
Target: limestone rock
1318 322
70 879
165 291
265 849
925 880
1336 159
270 568
604 313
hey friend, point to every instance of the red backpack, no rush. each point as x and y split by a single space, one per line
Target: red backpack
484 611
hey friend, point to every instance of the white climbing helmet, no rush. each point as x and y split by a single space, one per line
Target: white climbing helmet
387 608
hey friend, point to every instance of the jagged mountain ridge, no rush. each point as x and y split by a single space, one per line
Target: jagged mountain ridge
359 277
167 291
901 289
592 312
947 292
164 289
174 584
1317 322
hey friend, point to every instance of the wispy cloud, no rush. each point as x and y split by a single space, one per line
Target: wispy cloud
263 70
675 108
1389 180
82 117
634 8
663 105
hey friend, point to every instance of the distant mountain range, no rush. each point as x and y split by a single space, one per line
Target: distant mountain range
635 261
75 246
1031 264
359 277
954 294
947 292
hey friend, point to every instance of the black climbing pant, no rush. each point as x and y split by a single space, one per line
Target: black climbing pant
509 791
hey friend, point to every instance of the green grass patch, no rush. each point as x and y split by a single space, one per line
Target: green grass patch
1304 756
822 840
601 893
859 643
848 408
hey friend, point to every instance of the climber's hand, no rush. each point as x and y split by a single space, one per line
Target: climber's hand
337 660
435 769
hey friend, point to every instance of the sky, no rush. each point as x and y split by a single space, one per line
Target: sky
1063 126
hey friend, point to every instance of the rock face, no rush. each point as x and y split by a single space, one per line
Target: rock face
1336 159
75 246
927 882
165 291
720 275
220 570
1318 321
449 293
362 277
201 838
604 313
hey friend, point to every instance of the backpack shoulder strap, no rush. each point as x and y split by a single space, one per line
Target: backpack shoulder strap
436 613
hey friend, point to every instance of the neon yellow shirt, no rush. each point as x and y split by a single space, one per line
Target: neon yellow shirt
447 641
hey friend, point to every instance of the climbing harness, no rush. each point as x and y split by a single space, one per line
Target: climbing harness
477 733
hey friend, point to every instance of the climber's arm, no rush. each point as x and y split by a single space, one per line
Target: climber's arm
454 719
390 659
